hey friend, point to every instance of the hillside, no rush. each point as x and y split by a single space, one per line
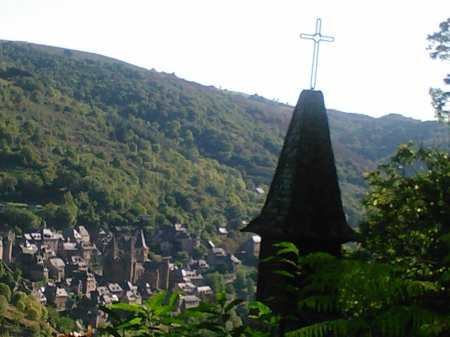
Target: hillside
102 142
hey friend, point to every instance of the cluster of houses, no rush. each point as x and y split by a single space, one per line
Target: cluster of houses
77 271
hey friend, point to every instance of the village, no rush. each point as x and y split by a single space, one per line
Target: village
75 270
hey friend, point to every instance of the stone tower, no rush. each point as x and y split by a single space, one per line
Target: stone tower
124 256
8 246
304 204
141 247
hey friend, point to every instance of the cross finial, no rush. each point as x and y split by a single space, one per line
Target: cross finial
317 38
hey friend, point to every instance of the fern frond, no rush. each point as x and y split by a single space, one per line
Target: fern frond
320 303
338 327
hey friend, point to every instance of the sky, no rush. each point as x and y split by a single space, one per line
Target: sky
378 63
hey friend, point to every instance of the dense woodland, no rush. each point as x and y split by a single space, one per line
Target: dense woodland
101 142
95 141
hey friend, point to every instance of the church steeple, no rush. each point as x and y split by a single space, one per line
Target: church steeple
304 204
304 200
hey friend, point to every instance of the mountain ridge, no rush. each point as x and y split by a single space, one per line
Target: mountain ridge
91 136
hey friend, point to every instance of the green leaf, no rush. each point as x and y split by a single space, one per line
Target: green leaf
111 313
221 298
112 331
127 307
202 308
133 322
211 326
262 308
233 304
287 247
284 273
155 300
174 297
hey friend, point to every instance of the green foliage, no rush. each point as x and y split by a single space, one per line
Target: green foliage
21 218
407 214
128 142
3 304
407 226
216 318
5 291
440 49
330 296
60 323
154 318
347 297
216 281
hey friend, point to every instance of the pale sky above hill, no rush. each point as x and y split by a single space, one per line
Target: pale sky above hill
378 63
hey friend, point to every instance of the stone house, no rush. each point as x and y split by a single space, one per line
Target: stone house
179 275
85 237
67 249
188 301
75 264
115 289
48 239
186 242
88 251
176 238
203 290
57 296
187 288
220 260
103 296
56 268
200 265
205 293
253 246
84 282
216 256
131 295
194 277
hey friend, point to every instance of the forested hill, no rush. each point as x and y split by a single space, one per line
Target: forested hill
103 142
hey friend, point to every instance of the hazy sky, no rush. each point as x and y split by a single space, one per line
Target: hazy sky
378 63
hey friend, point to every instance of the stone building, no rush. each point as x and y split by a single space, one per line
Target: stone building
156 275
56 268
7 246
124 257
57 296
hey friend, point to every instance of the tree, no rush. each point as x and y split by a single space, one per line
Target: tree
408 219
65 216
216 281
5 291
3 304
440 47
240 280
408 223
22 218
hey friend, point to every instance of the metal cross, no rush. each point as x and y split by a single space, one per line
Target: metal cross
317 38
